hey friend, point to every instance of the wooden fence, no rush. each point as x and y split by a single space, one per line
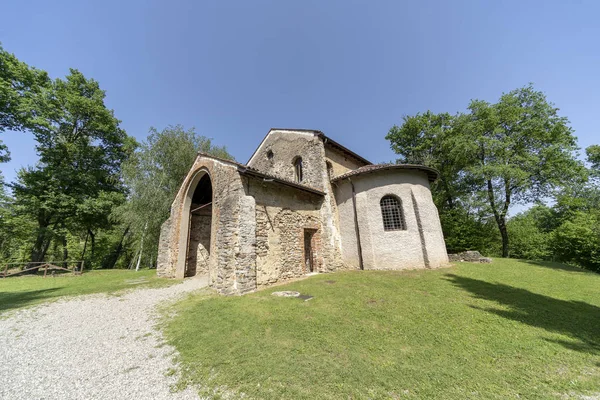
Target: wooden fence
76 267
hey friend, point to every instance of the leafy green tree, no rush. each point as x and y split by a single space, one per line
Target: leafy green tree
516 151
20 86
593 156
521 151
81 148
531 233
153 176
469 230
426 139
577 240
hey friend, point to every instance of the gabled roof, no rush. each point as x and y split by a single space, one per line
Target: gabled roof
432 174
326 140
244 169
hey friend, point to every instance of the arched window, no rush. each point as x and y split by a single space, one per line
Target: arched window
392 214
298 169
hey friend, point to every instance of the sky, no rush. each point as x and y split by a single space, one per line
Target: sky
352 69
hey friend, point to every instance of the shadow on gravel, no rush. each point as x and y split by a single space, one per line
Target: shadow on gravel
576 319
10 300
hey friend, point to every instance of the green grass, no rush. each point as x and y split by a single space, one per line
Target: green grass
22 291
511 329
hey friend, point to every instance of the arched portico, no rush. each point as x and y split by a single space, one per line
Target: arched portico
195 227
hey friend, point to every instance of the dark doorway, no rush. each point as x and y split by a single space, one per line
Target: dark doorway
309 257
198 250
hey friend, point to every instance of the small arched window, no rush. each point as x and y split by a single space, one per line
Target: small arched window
298 169
392 213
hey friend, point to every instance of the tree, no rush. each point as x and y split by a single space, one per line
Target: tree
518 150
593 155
20 86
425 139
153 176
531 233
81 148
577 240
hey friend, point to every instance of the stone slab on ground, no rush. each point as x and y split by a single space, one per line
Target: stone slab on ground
469 256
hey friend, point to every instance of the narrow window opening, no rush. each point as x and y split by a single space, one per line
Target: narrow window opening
298 169
392 214
270 155
329 170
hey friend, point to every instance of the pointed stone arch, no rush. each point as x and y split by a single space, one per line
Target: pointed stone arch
198 198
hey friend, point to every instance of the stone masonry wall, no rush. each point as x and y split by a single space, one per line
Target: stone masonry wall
199 247
232 259
282 216
285 147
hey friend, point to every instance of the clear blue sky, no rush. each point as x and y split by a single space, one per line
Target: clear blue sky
234 69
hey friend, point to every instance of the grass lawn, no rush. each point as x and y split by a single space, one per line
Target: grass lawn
510 329
21 291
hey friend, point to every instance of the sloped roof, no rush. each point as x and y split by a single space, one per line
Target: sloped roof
244 169
432 174
327 140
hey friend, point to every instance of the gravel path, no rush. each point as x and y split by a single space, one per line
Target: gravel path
91 347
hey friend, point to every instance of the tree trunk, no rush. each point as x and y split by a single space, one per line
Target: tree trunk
40 247
87 235
504 234
114 257
93 246
137 267
65 249
500 216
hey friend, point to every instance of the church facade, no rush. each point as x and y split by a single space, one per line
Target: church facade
302 204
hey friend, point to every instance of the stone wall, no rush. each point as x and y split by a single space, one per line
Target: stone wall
232 259
282 216
285 146
198 253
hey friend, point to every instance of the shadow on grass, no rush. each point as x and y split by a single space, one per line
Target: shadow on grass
579 320
557 266
11 300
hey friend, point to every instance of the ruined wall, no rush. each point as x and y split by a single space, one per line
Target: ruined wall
231 263
282 216
285 147
421 245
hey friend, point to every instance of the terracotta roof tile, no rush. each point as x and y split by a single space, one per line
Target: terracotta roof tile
432 174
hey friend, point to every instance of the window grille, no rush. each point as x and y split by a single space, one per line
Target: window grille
298 169
393 216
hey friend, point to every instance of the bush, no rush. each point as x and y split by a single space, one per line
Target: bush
464 231
577 240
530 236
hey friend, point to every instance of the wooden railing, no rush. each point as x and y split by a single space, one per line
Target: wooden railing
76 267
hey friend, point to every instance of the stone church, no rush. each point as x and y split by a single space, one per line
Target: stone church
302 204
